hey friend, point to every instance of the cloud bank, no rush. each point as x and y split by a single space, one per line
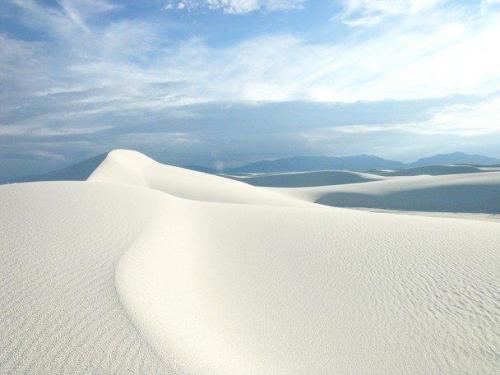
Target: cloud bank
81 77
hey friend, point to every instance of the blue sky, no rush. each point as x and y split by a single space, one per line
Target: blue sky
225 82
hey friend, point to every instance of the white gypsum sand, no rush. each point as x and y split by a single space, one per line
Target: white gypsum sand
60 314
455 215
219 277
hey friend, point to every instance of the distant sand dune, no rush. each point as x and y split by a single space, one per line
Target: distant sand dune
432 170
219 277
303 179
473 193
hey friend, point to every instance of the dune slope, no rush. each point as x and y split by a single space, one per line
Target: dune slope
60 313
134 168
266 290
236 283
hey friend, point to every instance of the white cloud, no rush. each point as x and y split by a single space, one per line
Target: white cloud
428 57
130 64
73 17
128 68
236 6
465 120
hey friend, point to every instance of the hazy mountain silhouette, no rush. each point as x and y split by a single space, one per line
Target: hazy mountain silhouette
75 172
361 163
455 158
312 163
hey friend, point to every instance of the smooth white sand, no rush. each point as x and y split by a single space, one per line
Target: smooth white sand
134 168
236 283
454 215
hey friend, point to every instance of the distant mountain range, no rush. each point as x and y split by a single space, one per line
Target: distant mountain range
356 163
311 163
75 172
455 158
80 171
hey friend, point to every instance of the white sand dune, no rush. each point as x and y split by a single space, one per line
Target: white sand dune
247 282
432 170
471 193
134 168
303 179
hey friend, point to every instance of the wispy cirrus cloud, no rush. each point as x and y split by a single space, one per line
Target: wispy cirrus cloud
48 132
235 6
132 61
370 12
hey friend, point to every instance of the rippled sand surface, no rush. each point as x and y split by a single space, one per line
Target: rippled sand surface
151 269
